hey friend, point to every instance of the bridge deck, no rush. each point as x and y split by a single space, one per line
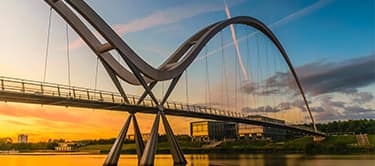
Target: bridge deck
26 91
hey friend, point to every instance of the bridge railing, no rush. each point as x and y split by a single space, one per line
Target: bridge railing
58 90
72 92
9 84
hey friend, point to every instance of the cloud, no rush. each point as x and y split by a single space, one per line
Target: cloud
357 109
167 16
334 89
321 77
329 104
315 6
58 116
260 109
161 17
333 109
16 122
345 112
295 103
277 84
293 16
362 97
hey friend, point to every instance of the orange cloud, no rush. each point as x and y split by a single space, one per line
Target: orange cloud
52 122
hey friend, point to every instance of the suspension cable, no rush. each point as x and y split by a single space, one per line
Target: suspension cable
289 82
224 70
68 53
47 45
96 73
207 80
262 87
235 83
186 86
257 74
277 103
249 67
274 103
283 97
267 89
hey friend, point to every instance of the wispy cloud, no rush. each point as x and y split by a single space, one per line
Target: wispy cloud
57 116
293 16
161 17
301 13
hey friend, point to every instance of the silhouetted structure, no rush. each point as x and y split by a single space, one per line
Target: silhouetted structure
22 138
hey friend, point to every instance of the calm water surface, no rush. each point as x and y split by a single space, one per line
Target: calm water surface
196 160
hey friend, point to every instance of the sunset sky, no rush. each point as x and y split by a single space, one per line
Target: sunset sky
330 43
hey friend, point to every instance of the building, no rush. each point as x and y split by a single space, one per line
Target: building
145 137
22 138
246 131
207 131
66 147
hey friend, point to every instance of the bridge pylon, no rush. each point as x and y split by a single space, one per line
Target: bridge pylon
148 155
114 153
177 154
139 144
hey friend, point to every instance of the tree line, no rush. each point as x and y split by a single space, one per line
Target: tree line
347 127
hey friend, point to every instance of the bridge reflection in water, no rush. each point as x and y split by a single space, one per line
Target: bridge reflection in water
195 160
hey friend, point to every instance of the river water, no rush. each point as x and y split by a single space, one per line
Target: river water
196 160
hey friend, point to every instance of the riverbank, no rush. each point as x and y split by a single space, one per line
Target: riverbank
343 144
48 152
196 159
331 145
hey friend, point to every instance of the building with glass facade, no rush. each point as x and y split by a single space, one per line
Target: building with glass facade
246 131
207 131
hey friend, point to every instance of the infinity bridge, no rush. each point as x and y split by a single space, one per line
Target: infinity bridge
27 91
89 25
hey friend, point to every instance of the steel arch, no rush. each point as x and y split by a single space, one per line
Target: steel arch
174 66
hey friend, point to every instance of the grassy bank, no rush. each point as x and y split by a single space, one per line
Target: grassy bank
332 144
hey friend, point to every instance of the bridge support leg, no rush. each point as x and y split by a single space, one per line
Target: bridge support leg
148 155
140 146
177 154
114 153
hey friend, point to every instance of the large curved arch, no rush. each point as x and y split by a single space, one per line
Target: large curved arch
175 65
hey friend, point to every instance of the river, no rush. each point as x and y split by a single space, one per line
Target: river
196 160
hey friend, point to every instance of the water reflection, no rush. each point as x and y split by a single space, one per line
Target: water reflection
238 159
196 160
